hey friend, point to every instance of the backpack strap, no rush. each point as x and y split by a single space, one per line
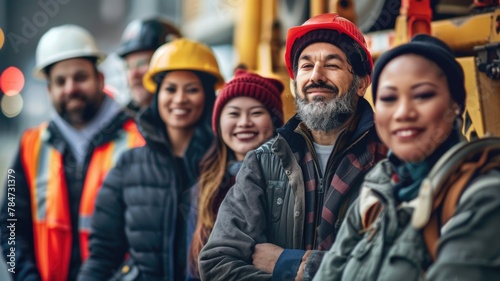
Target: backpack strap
467 171
447 196
447 199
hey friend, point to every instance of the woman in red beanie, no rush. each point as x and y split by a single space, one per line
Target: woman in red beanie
247 112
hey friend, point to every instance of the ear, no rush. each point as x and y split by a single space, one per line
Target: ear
364 83
48 82
456 108
292 88
100 79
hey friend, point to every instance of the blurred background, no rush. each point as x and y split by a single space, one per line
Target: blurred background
24 99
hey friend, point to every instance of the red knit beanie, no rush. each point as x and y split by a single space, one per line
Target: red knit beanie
245 84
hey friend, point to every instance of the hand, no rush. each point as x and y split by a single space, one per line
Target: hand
302 266
265 256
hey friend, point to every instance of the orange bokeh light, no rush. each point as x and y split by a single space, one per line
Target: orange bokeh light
12 81
2 38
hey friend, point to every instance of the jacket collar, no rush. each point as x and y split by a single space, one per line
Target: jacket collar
362 122
54 136
153 129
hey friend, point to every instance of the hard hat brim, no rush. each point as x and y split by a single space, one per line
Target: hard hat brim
150 84
39 73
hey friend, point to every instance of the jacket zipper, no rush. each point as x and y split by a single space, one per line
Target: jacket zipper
322 180
319 195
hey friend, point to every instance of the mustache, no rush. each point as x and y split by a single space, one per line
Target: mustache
332 88
74 96
77 95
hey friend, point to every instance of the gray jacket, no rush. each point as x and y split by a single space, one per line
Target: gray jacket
242 207
467 249
267 202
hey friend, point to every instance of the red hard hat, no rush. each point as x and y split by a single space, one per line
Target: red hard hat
324 21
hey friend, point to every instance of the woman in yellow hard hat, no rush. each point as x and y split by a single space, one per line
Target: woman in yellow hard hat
143 205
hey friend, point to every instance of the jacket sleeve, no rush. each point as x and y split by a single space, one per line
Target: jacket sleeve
107 240
469 248
17 236
240 224
335 260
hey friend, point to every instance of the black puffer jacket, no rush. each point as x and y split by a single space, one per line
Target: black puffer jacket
143 205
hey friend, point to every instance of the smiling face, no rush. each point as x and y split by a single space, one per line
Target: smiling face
245 124
75 88
414 109
327 90
181 99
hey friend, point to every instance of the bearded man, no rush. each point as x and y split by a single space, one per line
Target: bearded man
292 193
61 164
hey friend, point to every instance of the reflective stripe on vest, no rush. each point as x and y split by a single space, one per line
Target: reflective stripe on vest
44 170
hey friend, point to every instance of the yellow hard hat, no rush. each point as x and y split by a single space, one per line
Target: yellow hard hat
182 54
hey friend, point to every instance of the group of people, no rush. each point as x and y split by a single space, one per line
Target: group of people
198 179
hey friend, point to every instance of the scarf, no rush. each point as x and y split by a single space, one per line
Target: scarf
407 176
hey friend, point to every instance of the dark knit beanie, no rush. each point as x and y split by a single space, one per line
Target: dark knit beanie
355 54
245 84
434 50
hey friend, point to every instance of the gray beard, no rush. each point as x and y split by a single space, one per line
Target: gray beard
327 115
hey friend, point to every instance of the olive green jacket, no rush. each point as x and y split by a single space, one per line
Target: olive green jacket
468 248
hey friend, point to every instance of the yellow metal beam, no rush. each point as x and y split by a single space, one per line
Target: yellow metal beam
463 33
269 56
267 52
489 97
318 7
247 32
473 102
344 8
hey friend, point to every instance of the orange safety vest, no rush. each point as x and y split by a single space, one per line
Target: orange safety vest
44 169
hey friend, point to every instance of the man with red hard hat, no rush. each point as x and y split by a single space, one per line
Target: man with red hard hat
293 192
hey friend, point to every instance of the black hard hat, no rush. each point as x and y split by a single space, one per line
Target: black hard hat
146 34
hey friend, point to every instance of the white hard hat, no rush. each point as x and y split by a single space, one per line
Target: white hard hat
62 43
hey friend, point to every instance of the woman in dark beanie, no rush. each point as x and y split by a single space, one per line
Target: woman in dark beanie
144 203
401 227
247 112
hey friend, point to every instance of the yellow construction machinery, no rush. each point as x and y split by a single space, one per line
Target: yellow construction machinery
474 36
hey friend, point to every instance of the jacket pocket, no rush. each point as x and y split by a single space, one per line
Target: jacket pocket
360 264
128 271
405 258
364 261
362 249
275 195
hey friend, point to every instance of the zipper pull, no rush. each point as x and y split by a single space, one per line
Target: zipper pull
321 186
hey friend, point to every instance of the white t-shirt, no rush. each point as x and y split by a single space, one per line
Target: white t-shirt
323 152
